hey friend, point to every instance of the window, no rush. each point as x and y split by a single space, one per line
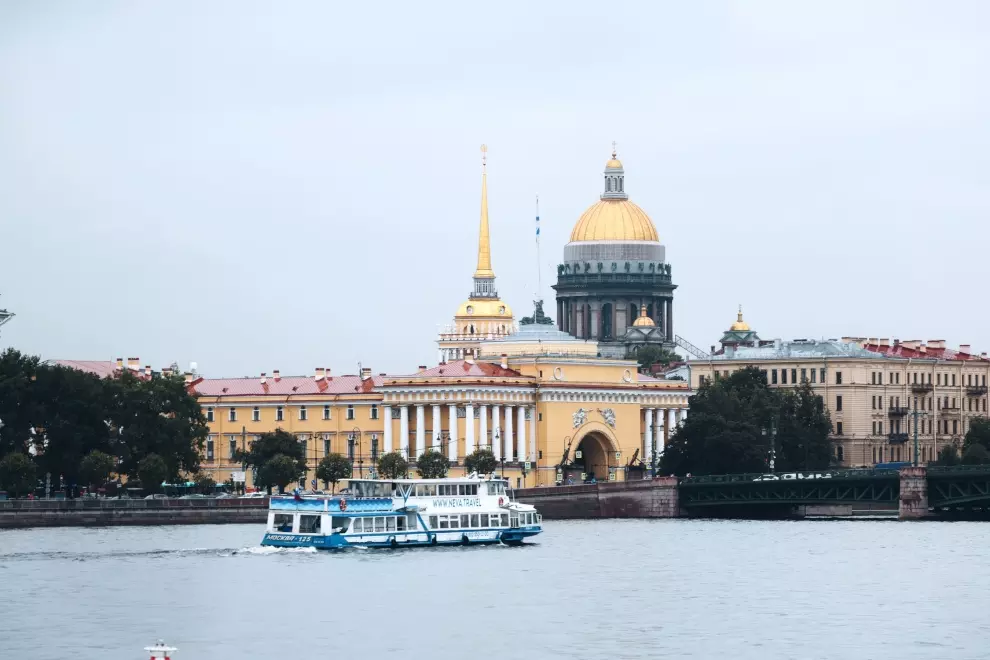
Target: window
915 377
209 447
279 414
838 378
783 376
374 448
873 402
839 453
955 426
898 378
374 411
209 413
326 445
813 376
880 402
326 412
773 376
892 402
283 522
231 446
838 428
256 414
938 379
350 412
434 522
302 413
474 520
484 520
873 378
804 376
232 415
701 383
838 403
309 524
763 372
953 380
794 379
879 428
874 454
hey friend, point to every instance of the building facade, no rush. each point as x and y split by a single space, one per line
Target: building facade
615 267
880 394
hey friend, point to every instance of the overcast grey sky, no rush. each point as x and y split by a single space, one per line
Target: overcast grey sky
269 185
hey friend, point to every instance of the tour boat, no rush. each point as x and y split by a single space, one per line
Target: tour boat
400 513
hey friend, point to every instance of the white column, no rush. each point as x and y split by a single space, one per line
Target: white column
508 433
648 438
483 431
678 418
496 433
435 429
468 428
420 423
452 424
388 429
404 431
532 434
521 433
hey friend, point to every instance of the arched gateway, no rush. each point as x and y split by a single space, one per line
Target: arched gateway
596 451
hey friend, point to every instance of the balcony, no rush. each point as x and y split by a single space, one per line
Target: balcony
897 411
976 390
921 388
897 438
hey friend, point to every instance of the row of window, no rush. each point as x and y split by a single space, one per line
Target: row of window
280 413
941 403
925 426
816 375
450 490
352 443
469 520
806 377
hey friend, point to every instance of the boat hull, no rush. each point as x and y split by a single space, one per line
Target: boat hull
512 536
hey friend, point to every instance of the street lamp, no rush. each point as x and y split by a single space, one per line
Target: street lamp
356 433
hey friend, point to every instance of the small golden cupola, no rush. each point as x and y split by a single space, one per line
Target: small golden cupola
739 325
643 320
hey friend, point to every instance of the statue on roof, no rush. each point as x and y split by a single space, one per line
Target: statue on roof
538 317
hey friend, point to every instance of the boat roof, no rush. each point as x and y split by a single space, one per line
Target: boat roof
444 480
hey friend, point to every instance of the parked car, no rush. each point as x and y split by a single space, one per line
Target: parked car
767 477
223 496
193 496
156 496
254 496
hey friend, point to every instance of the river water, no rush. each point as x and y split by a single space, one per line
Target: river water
586 589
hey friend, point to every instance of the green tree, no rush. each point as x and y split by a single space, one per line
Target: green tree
648 355
280 470
266 448
96 467
978 433
735 424
432 464
152 470
976 454
481 461
393 466
18 474
948 455
205 484
332 469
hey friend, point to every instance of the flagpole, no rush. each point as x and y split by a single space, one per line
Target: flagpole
539 270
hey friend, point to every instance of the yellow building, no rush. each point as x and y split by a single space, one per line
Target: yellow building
546 403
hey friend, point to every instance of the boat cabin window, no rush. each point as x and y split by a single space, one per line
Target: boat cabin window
496 488
283 522
484 520
309 524
339 523
400 524
474 520
426 490
370 489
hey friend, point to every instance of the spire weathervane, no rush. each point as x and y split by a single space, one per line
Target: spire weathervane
484 155
613 148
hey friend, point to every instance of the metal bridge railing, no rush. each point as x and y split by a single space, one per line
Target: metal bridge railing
810 475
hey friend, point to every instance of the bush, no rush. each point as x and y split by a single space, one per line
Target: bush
481 461
333 468
432 464
393 466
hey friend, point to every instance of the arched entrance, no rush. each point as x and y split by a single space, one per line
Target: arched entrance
594 456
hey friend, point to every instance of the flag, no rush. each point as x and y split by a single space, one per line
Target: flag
537 226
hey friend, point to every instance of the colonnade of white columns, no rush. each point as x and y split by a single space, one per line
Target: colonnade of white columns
659 422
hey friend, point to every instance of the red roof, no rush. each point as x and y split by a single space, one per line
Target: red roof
285 386
101 368
902 351
462 368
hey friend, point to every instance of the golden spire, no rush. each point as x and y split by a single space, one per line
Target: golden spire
740 325
643 319
484 243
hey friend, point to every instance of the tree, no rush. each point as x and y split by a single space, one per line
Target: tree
205 483
736 423
978 433
18 474
96 467
948 455
481 461
266 448
976 454
393 466
648 355
152 470
332 469
432 464
280 470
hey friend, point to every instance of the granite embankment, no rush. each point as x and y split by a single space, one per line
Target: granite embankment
95 513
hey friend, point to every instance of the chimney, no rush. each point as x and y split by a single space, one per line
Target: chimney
320 373
264 377
923 349
897 342
120 363
983 355
421 367
275 374
327 373
188 376
365 373
936 343
965 348
134 363
885 343
505 361
147 371
913 344
166 371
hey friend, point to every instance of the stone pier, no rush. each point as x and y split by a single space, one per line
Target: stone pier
656 498
914 493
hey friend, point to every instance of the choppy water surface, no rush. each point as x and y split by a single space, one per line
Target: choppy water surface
595 589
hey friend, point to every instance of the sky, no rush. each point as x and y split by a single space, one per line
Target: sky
254 186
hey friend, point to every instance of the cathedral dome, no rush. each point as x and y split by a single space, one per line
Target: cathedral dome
739 325
614 220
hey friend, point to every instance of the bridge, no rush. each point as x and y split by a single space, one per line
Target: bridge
911 492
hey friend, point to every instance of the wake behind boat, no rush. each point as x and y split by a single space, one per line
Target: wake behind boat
403 513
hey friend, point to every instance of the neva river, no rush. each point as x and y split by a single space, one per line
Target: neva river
595 589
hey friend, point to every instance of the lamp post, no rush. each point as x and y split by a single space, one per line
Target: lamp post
916 414
355 438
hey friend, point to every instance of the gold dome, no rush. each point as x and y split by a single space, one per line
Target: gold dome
643 319
614 163
485 309
614 220
740 325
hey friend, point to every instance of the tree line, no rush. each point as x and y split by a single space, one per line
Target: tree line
975 446
83 430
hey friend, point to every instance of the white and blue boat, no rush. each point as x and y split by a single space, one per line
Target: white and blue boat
403 513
